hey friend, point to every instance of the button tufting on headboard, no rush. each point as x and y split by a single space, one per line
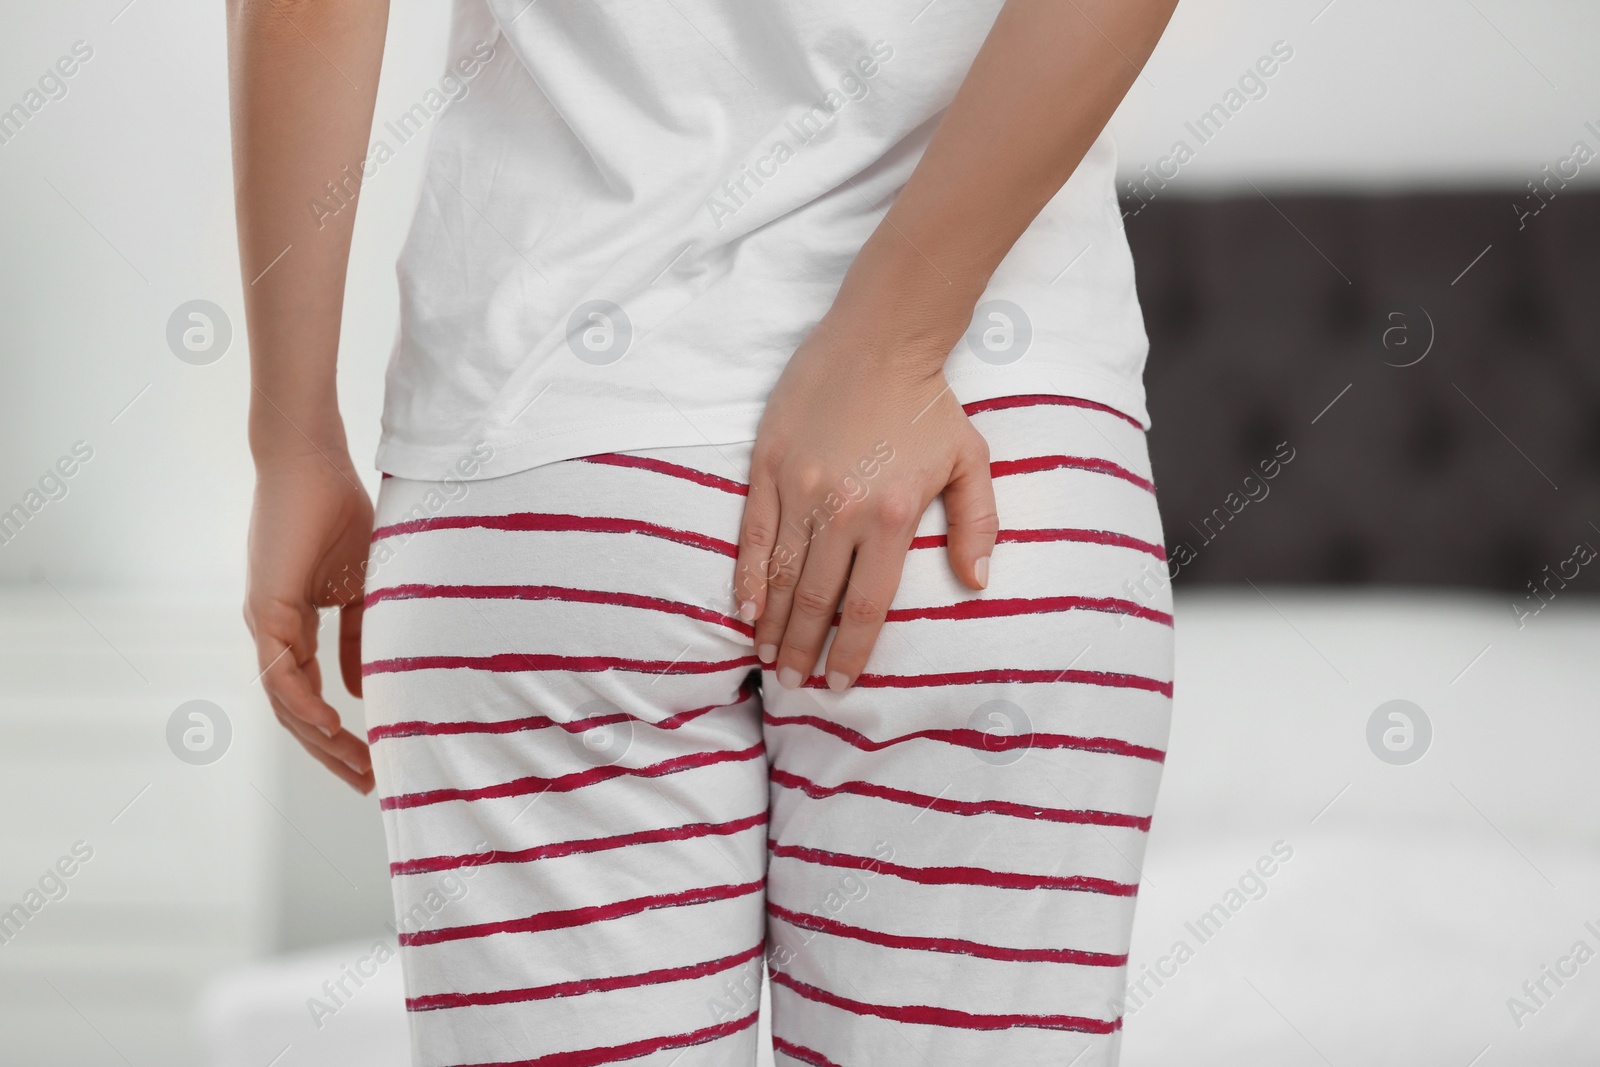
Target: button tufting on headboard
1588 456
1432 442
1260 432
1523 312
1433 369
1347 312
1346 559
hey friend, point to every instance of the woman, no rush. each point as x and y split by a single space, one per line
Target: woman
718 322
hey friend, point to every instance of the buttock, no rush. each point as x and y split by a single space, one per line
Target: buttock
606 822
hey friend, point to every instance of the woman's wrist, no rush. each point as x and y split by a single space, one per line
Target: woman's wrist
278 436
898 305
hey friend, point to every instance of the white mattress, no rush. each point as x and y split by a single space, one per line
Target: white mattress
1417 898
1423 897
339 1006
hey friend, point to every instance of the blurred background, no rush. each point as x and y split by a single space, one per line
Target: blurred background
1370 284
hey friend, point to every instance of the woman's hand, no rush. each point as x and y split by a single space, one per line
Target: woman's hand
827 514
310 527
858 437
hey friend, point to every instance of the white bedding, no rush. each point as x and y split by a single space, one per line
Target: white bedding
1417 902
339 1006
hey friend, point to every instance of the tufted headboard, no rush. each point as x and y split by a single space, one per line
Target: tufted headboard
1432 361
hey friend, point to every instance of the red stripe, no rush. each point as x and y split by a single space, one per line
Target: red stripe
956 945
801 1053
1007 607
423 728
1000 468
675 470
966 609
1031 812
594 913
513 662
970 738
981 876
431 864
1034 400
1093 537
592 1057
566 783
995 675
574 523
528 521
948 1017
555 592
578 988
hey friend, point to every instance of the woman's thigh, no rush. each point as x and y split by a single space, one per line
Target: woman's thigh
956 841
566 737
573 762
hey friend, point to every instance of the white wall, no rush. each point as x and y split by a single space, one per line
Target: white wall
123 595
1379 94
118 208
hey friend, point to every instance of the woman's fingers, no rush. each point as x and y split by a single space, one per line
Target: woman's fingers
342 745
361 783
316 724
758 535
969 508
342 754
824 533
293 687
287 684
816 595
782 576
350 646
291 678
874 578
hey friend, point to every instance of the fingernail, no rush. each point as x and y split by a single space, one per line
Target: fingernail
789 678
747 610
838 680
325 731
981 569
766 653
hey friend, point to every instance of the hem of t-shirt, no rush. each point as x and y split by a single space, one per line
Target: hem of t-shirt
727 426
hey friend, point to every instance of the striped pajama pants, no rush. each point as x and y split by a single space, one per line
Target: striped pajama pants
607 824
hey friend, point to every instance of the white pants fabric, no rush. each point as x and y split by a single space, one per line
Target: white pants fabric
606 822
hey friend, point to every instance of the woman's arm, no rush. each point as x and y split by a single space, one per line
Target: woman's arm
870 375
304 76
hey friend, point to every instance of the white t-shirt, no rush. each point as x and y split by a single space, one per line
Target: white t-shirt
635 210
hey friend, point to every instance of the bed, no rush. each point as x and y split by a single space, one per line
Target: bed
1387 680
